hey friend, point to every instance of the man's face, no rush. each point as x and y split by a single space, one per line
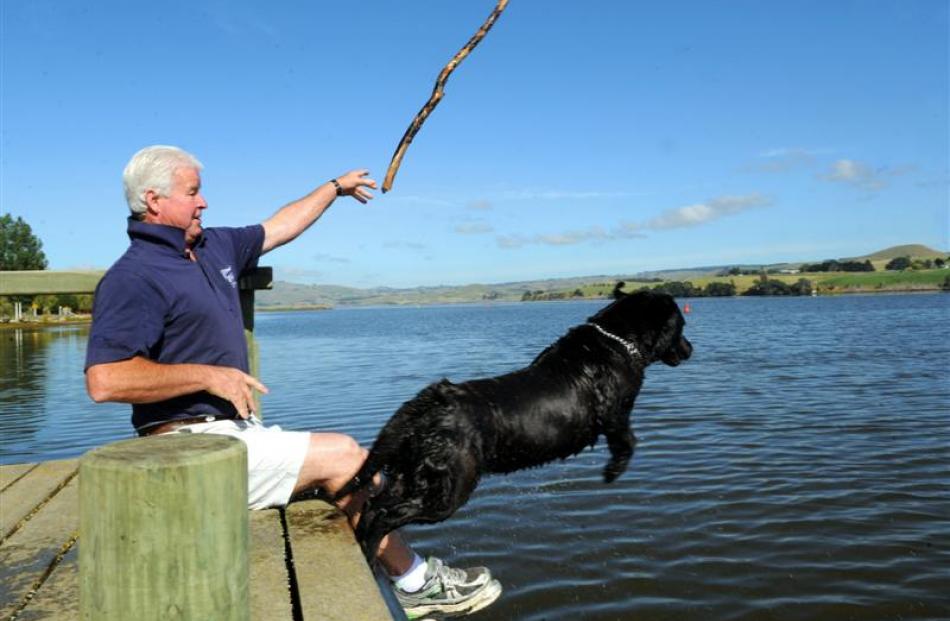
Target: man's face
183 206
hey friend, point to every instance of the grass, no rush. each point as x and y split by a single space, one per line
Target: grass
845 282
919 279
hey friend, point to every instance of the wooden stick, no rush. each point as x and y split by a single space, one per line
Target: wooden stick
437 94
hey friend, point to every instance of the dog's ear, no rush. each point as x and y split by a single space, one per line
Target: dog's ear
617 294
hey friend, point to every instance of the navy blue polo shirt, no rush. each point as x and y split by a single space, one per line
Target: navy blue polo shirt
156 303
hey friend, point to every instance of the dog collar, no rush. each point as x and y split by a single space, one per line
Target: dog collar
630 347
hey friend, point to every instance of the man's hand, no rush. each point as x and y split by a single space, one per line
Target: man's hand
235 386
355 182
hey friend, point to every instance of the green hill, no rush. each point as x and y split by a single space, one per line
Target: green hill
914 251
295 295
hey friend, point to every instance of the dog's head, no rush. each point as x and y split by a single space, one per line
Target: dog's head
652 321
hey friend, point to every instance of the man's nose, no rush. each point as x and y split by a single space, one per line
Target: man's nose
202 203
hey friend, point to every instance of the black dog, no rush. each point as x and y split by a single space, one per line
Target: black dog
436 446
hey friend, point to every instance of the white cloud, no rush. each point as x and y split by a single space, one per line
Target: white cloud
568 238
701 213
681 217
853 173
862 176
512 241
473 228
784 159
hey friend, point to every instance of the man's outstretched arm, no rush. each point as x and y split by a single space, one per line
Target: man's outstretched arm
296 217
140 380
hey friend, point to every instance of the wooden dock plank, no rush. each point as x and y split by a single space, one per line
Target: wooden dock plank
9 474
270 590
27 555
58 599
334 581
31 490
270 584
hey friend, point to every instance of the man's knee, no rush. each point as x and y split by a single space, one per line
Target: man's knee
348 456
332 460
351 454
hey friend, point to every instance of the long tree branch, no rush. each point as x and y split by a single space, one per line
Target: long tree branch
437 94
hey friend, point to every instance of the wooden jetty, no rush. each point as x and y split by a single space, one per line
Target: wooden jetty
304 563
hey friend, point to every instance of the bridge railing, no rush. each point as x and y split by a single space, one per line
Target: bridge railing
52 282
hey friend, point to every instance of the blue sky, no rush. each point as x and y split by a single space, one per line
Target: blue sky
580 138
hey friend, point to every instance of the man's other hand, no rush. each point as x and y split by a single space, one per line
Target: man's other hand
355 182
234 385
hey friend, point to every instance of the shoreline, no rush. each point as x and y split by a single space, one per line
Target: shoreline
51 323
292 308
87 319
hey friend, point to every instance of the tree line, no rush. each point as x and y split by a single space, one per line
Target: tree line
685 289
838 266
833 265
899 264
542 296
765 286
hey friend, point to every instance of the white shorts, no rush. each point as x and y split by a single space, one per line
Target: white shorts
274 457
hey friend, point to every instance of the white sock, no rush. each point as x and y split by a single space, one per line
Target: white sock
414 579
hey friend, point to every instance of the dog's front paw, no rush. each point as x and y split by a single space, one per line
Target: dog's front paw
613 470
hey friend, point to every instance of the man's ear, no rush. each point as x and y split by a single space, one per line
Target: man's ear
151 202
617 294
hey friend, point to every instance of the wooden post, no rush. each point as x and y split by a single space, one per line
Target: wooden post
164 529
260 278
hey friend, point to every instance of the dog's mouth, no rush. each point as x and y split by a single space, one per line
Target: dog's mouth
678 353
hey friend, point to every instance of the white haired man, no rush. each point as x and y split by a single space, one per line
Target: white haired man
167 338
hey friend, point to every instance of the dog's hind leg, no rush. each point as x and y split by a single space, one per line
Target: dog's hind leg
435 494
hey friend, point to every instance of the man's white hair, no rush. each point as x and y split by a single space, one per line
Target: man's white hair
153 168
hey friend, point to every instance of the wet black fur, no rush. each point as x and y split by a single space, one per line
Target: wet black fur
437 446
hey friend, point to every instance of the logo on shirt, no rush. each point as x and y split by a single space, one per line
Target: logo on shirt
229 276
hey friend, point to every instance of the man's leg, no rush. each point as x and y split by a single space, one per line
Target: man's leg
331 462
422 587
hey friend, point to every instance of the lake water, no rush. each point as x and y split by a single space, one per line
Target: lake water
797 467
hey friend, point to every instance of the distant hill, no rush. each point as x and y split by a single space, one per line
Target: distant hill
915 251
296 295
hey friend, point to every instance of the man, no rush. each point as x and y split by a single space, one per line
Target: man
167 337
